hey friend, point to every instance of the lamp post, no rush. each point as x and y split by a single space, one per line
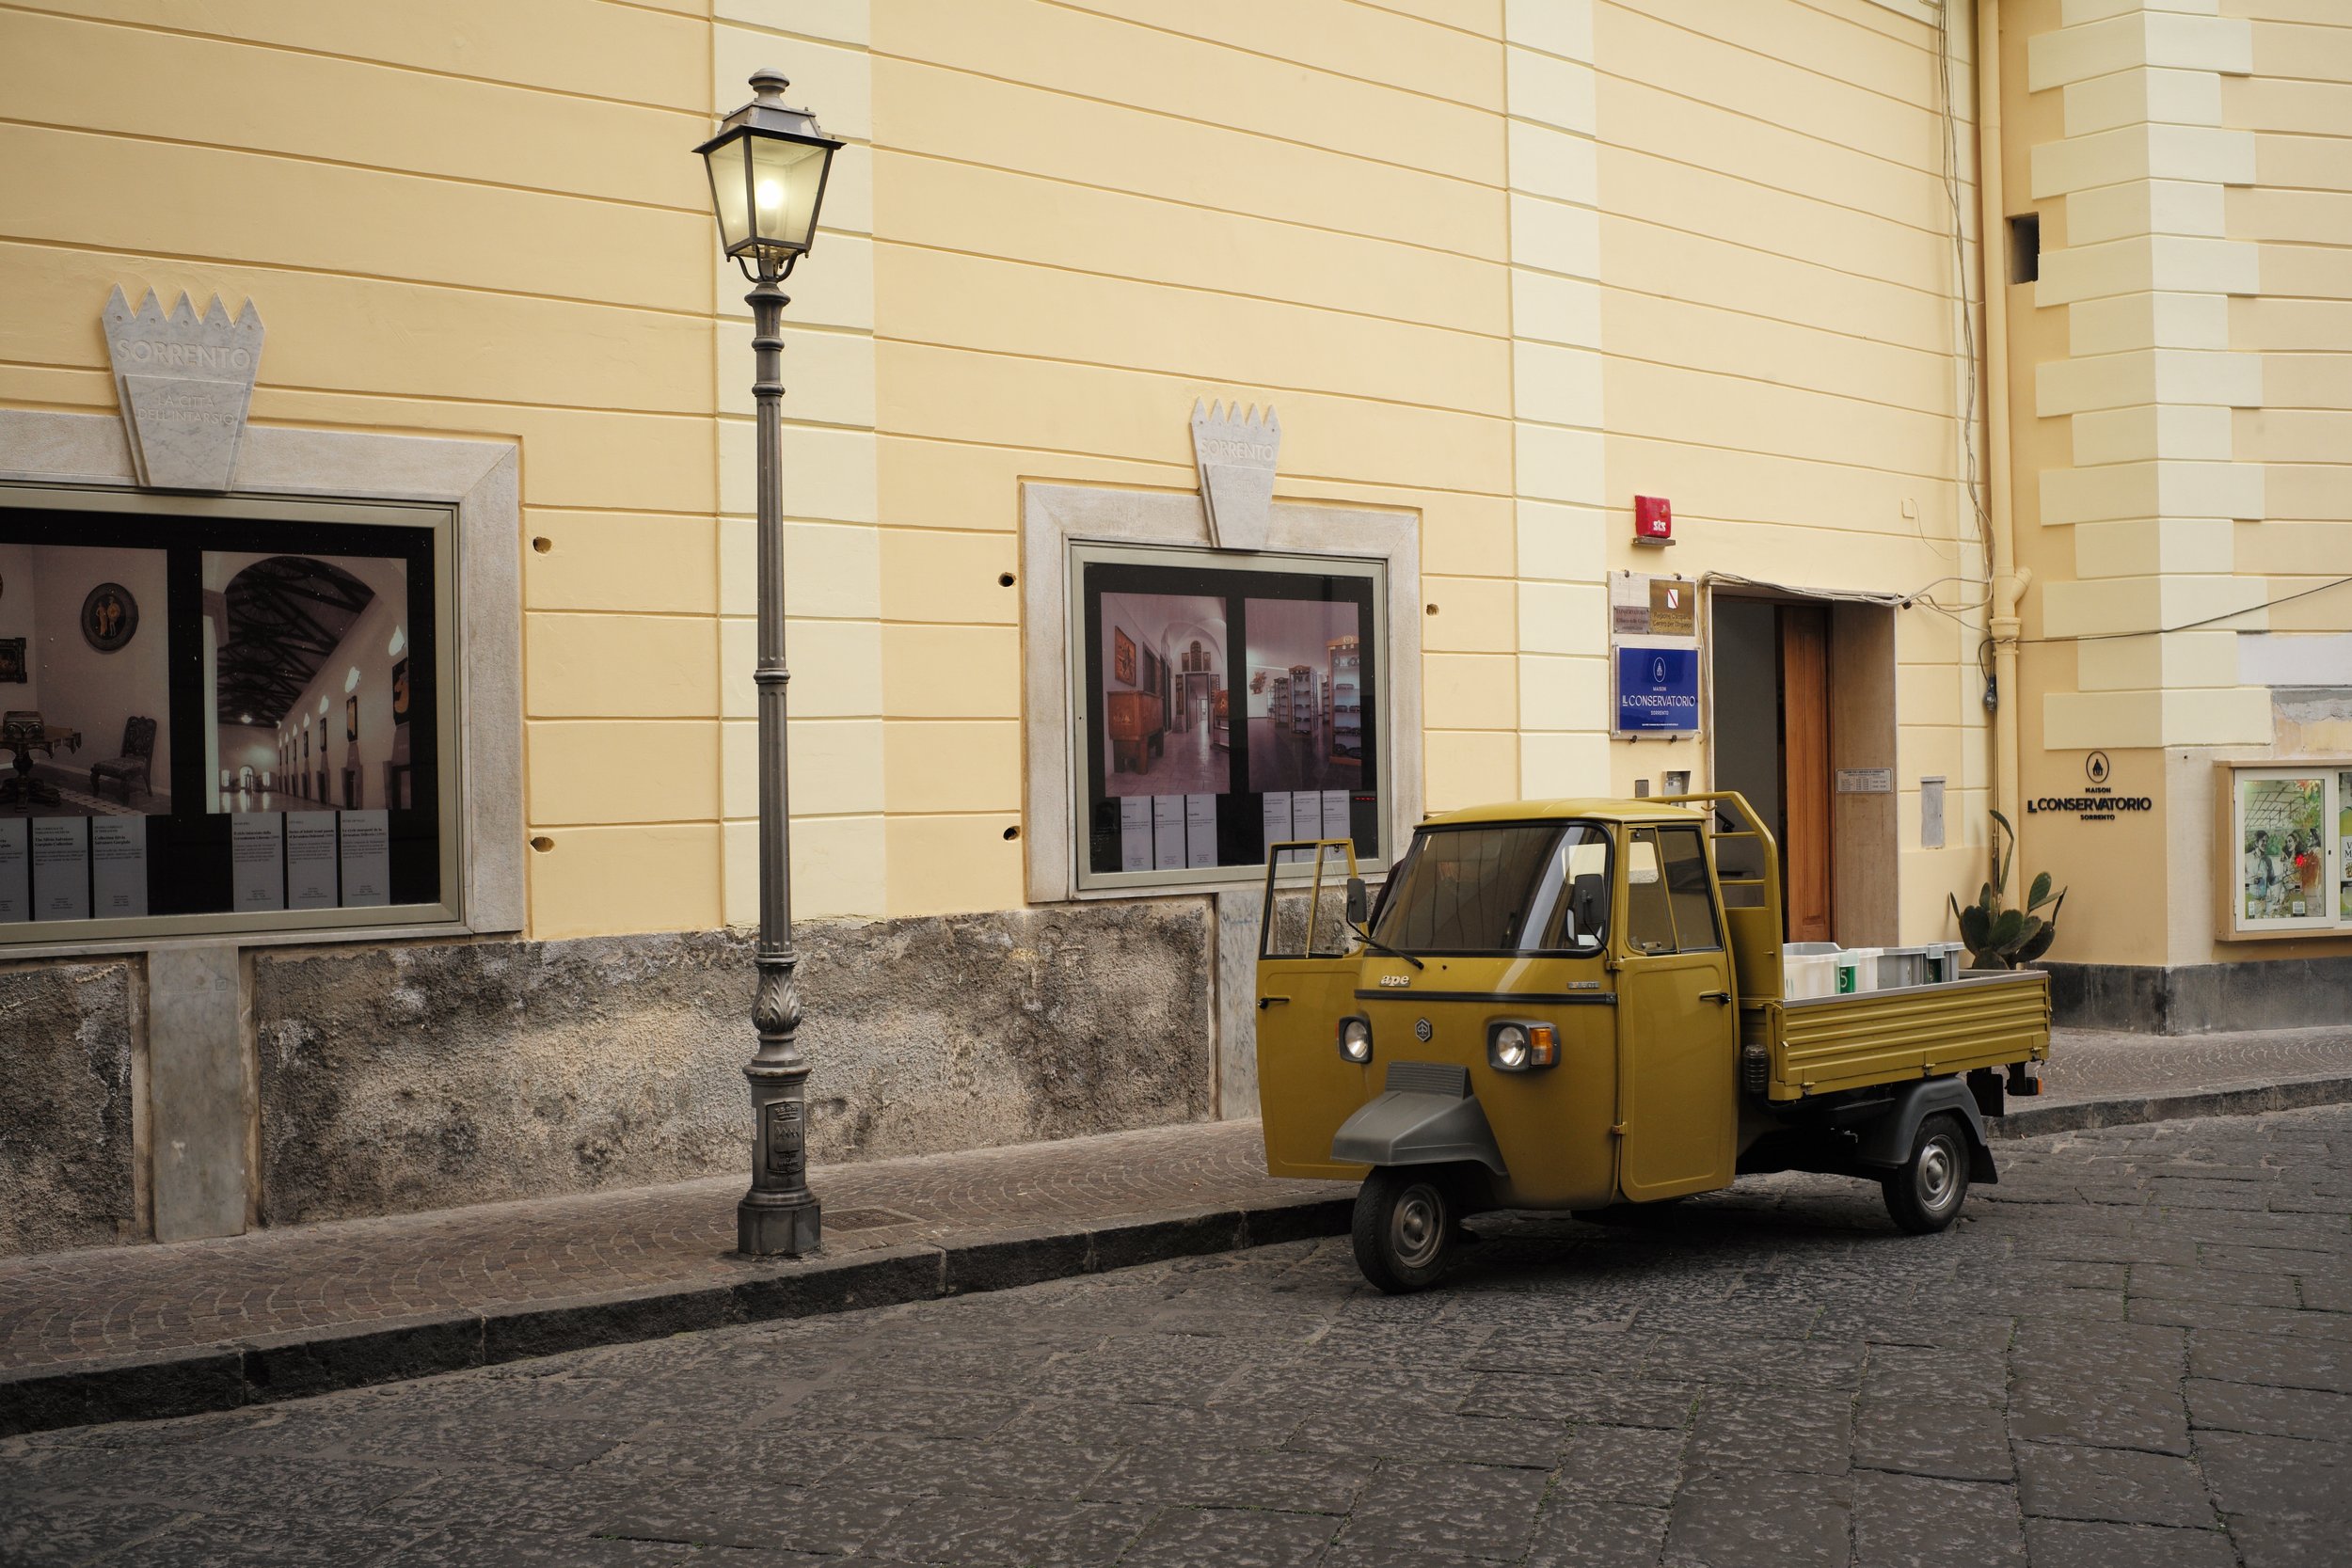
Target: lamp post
768 166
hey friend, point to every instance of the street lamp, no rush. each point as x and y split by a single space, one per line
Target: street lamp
768 167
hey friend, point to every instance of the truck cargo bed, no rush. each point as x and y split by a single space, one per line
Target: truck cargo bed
1828 1043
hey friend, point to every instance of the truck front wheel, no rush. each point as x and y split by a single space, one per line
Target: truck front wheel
1925 1195
1404 1229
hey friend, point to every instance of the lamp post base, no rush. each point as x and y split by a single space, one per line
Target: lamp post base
769 1226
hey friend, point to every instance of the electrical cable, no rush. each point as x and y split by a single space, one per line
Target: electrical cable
2190 626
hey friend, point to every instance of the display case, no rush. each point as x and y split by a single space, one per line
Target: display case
2285 831
1347 700
1221 726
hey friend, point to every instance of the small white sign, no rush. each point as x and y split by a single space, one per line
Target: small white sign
1336 822
118 864
310 860
61 868
1134 833
1277 818
367 858
1865 781
257 859
1201 830
1168 832
16 868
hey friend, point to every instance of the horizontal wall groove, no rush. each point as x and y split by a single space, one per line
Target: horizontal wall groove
242 41
1496 185
303 160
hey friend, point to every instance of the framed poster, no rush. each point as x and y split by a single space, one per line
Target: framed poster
2284 831
185 654
1189 778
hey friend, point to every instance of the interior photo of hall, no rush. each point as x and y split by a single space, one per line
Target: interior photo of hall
1306 695
307 691
1167 731
84 678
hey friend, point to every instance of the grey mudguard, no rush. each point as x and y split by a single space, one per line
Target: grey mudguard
1406 1128
1886 1140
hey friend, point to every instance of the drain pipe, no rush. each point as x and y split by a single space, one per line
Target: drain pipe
2008 581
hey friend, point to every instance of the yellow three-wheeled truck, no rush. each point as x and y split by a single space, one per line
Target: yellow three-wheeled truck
1580 1005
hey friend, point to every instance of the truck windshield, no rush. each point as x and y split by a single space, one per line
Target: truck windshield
1512 888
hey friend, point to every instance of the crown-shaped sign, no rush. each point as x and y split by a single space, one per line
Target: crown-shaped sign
185 382
1236 455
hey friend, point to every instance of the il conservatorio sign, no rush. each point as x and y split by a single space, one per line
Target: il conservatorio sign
2098 802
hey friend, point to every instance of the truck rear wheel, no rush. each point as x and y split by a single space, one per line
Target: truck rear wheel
1404 1229
1924 1196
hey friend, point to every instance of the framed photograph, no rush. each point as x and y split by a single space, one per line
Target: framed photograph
1189 763
12 670
351 718
109 616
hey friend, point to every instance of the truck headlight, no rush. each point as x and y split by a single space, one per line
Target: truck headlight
1355 1040
1512 1047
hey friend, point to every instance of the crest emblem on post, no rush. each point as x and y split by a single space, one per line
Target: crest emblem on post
184 383
1236 455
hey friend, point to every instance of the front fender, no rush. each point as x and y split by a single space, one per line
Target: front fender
1406 1127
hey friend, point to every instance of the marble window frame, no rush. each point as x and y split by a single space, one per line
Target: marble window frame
480 482
1054 516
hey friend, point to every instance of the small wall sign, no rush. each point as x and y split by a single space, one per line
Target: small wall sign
1658 689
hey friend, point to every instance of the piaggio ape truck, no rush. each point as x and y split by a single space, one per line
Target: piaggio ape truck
1580 1006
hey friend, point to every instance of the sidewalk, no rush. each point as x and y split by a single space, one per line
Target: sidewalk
113 1331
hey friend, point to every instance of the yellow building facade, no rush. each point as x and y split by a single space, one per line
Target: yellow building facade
1500 266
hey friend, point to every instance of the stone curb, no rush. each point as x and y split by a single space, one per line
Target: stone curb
2083 1116
316 1361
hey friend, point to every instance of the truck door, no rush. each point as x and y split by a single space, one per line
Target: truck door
1306 986
1678 1033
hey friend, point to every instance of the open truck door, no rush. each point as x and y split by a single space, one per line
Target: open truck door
1678 1019
1307 981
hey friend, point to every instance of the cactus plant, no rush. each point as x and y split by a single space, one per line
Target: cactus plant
1998 936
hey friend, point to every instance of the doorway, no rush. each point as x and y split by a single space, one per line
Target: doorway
1803 722
1772 741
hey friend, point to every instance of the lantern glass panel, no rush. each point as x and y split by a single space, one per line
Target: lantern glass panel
730 192
786 179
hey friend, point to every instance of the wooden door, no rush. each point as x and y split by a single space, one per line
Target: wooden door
1805 789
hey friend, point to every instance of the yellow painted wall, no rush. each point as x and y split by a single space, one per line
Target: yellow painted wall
1497 263
1783 355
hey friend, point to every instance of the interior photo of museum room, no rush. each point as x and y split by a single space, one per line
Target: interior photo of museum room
1306 695
308 696
1167 731
84 678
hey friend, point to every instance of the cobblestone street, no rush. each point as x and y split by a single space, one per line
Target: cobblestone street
2135 1349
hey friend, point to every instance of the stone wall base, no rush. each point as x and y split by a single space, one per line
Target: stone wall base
2203 999
391 1078
68 1156
396 1079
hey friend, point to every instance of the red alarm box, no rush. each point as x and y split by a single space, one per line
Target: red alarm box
1653 520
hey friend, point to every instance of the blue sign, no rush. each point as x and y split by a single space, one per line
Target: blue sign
1658 691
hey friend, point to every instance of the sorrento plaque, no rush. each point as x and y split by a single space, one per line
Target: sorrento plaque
1237 454
184 383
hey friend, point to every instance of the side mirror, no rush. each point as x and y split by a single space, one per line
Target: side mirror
1358 902
1590 904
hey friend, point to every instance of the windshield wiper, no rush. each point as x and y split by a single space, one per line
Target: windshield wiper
1379 946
